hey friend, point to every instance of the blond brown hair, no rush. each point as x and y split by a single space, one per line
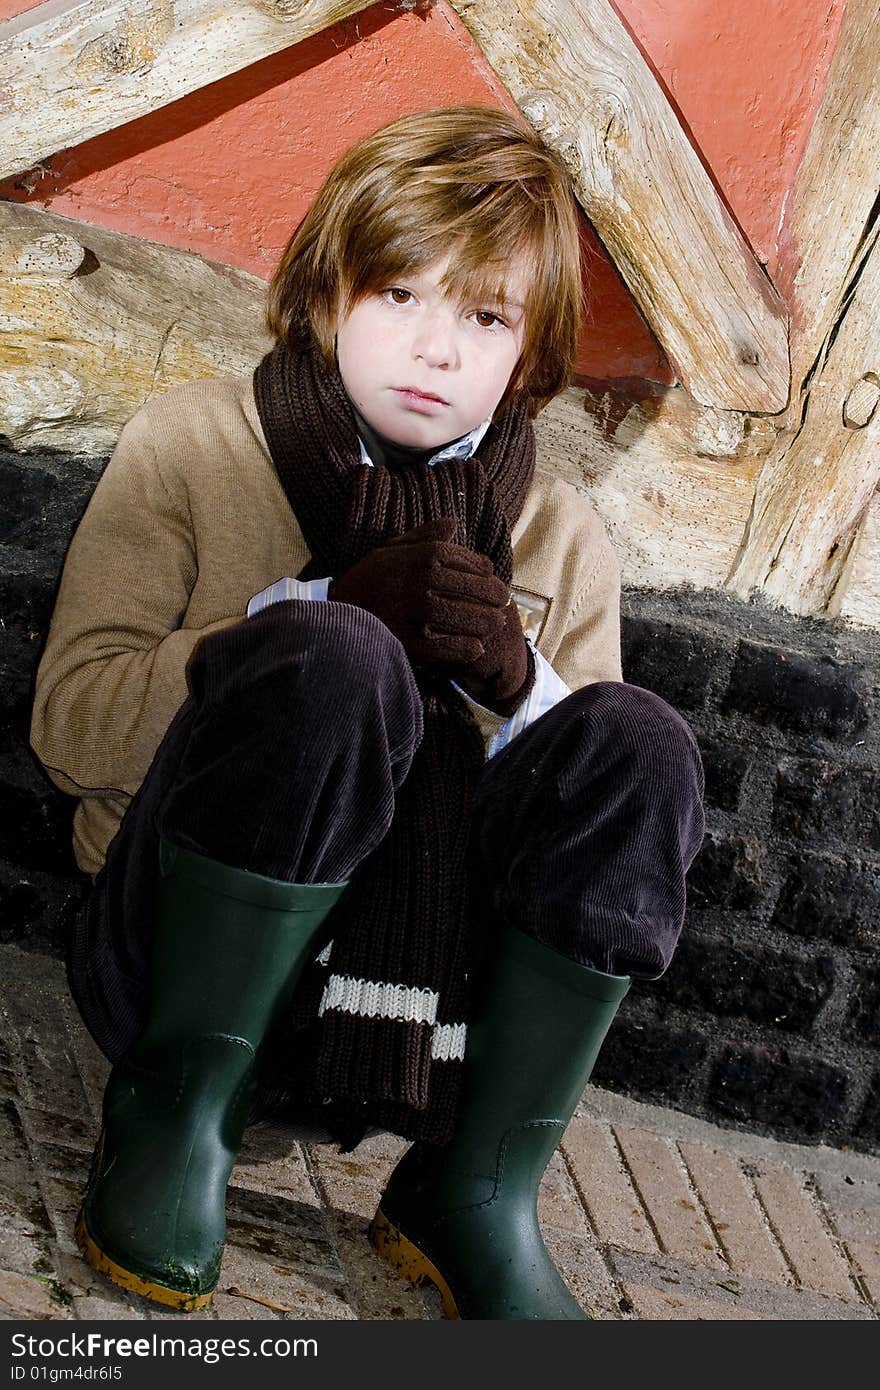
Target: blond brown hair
468 180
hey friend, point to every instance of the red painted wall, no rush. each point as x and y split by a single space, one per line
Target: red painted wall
228 171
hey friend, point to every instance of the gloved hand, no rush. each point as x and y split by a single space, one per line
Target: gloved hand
441 600
502 677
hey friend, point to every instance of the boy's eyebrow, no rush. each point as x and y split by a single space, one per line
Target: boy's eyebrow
501 302
489 297
508 306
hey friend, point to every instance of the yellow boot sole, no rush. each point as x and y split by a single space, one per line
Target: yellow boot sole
409 1261
126 1279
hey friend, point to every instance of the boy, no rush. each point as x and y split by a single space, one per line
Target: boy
301 796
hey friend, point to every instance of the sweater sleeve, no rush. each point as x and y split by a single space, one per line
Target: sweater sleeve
113 673
590 648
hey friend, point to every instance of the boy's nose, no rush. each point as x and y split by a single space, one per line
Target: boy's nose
434 340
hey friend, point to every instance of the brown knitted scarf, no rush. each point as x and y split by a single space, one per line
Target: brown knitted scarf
404 921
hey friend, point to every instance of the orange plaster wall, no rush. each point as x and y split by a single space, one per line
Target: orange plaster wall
228 171
746 77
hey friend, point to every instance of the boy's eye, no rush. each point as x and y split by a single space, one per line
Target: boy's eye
398 295
486 319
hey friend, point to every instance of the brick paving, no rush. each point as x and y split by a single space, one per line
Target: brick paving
650 1214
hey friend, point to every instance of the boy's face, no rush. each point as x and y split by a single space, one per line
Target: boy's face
422 368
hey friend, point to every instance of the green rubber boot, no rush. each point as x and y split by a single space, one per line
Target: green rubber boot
228 949
465 1216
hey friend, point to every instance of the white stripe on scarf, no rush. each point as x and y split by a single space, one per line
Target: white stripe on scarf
372 999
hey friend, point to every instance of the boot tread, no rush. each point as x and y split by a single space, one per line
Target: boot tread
409 1261
135 1283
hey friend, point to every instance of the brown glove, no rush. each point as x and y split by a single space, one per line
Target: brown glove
502 677
441 600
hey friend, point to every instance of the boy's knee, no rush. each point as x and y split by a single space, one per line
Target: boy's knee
309 647
633 717
362 648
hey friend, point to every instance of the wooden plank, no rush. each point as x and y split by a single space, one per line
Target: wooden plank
575 72
71 69
93 323
860 603
835 188
814 490
672 480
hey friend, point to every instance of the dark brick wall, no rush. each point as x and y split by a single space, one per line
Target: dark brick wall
769 1015
41 499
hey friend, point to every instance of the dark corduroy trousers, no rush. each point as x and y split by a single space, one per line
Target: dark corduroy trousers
286 760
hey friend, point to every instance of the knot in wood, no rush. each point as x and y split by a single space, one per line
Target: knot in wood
539 109
861 403
281 9
118 55
54 254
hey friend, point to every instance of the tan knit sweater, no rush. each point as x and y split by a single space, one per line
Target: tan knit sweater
188 522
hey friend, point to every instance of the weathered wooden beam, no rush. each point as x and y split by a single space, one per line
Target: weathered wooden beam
860 603
834 192
71 69
815 487
93 323
576 73
672 480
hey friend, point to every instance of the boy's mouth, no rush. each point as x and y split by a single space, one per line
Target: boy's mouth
424 401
